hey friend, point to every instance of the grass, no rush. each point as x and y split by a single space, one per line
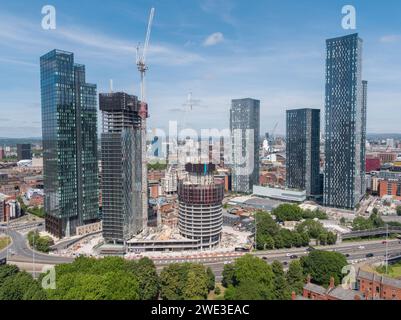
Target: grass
213 296
4 242
394 271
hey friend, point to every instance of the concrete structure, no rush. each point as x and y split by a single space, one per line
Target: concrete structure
69 131
245 128
345 116
121 167
303 150
280 194
200 205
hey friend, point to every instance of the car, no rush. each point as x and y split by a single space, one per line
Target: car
310 249
369 255
347 255
361 247
288 254
294 256
384 242
285 263
264 258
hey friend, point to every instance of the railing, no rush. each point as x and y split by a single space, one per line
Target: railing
371 232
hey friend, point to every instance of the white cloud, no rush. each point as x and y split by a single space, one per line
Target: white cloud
390 38
213 39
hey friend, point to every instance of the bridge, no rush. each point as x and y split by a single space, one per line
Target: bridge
370 233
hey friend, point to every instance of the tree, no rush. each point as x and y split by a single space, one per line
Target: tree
287 212
322 265
7 270
211 279
110 278
281 288
287 237
196 285
323 238
148 279
217 291
39 243
252 279
331 238
21 286
398 209
228 275
295 277
312 227
266 230
342 221
184 281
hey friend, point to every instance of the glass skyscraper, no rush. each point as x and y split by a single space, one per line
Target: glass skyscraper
121 167
69 133
245 128
303 150
345 123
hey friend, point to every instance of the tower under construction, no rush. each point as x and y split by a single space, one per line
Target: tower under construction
123 202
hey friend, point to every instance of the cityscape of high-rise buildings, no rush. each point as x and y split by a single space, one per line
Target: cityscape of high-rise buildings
101 183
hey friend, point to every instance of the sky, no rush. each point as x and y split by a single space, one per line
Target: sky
219 50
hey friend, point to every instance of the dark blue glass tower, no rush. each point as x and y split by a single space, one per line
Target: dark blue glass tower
303 150
345 123
69 132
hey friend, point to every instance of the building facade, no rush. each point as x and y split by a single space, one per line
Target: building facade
245 128
69 132
24 151
121 150
303 150
345 123
200 205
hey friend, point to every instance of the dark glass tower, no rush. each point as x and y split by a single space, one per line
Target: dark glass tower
69 132
245 128
303 150
24 151
121 167
345 122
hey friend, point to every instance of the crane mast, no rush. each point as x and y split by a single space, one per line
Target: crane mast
143 113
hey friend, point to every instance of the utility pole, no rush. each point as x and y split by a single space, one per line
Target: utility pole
386 248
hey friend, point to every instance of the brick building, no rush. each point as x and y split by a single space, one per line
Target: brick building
369 286
390 187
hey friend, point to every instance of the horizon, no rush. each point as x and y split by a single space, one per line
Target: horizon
216 50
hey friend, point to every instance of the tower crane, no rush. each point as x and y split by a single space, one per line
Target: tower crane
143 113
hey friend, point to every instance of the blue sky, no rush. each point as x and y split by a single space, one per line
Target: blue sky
217 49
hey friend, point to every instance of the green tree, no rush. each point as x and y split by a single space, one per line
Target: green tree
322 265
287 212
7 270
110 278
184 281
21 286
228 275
251 272
398 209
312 227
211 279
295 277
281 288
266 229
148 279
196 285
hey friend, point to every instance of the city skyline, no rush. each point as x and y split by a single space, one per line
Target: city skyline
209 48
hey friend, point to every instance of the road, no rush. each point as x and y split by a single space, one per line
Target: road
352 250
19 251
23 254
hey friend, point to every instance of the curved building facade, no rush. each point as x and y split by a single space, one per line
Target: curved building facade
200 205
